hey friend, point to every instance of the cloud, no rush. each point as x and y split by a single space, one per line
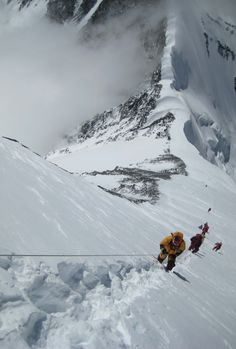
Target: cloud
50 81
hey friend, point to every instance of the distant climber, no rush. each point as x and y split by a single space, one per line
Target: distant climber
217 246
171 247
196 242
205 228
209 209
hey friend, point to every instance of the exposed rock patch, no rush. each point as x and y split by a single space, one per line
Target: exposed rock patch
139 185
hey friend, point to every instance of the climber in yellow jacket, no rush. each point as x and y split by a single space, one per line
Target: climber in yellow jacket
171 246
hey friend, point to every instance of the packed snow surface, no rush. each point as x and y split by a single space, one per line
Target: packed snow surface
118 302
111 293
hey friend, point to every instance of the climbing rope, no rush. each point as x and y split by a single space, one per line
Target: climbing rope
77 255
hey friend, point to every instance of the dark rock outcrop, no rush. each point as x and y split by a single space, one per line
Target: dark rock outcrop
124 121
139 185
111 8
61 10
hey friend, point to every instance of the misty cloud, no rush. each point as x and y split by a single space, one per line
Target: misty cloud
50 82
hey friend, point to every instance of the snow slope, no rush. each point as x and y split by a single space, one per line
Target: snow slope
114 302
110 301
62 208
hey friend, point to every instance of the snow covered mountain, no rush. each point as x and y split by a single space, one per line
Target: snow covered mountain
186 80
126 178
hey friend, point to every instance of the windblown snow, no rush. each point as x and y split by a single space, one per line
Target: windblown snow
94 216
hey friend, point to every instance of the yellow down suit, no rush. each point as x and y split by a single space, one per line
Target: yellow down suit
170 249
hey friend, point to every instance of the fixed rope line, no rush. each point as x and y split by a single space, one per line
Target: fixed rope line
77 255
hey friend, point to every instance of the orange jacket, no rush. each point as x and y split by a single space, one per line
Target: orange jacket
166 243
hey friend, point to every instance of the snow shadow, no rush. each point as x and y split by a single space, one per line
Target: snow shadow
206 135
181 276
181 71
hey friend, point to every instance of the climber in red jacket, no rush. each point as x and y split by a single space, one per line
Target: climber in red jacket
196 242
217 246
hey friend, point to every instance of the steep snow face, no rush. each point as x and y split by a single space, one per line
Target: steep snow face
203 61
100 302
59 207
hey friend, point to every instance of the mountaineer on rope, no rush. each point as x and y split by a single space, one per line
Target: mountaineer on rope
217 246
196 242
204 228
171 246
